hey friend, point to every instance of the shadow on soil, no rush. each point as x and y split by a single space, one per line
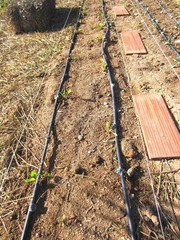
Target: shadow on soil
63 17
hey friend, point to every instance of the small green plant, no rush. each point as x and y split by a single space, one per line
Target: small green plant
155 25
3 4
100 25
101 14
33 175
109 126
83 11
78 31
65 92
75 58
176 62
103 66
99 37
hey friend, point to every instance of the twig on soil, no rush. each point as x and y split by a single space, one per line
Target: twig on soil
7 214
16 200
27 164
88 210
147 235
166 172
4 225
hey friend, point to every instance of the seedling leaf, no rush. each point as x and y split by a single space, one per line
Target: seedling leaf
108 125
29 180
69 91
47 175
33 174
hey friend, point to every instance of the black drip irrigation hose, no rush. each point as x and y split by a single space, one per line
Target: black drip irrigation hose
32 206
167 12
115 124
158 27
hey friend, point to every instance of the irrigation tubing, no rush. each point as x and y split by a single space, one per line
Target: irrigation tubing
167 12
158 27
115 124
32 206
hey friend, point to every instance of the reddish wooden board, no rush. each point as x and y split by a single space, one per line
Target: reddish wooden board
161 136
120 10
132 42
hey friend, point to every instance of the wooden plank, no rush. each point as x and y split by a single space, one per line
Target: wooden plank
161 136
120 11
132 42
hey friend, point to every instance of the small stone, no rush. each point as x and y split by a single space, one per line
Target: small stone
132 196
38 235
80 137
128 149
131 171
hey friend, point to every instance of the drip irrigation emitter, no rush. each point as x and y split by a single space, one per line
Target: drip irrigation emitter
158 27
115 124
32 206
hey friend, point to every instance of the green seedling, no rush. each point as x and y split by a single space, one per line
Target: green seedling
65 92
78 31
176 62
108 125
100 25
33 175
83 11
110 128
101 14
103 66
75 58
3 4
99 37
155 25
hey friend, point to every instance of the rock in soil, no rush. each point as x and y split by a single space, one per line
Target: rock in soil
131 171
128 148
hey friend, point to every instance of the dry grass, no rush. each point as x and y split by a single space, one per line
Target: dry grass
26 66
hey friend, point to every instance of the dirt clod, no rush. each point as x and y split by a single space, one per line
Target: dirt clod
128 148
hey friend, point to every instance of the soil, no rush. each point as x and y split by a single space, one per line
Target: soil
83 198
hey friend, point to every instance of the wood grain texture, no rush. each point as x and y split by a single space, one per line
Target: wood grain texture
160 133
120 11
132 43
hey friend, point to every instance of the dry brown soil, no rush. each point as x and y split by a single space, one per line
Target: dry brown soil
83 199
